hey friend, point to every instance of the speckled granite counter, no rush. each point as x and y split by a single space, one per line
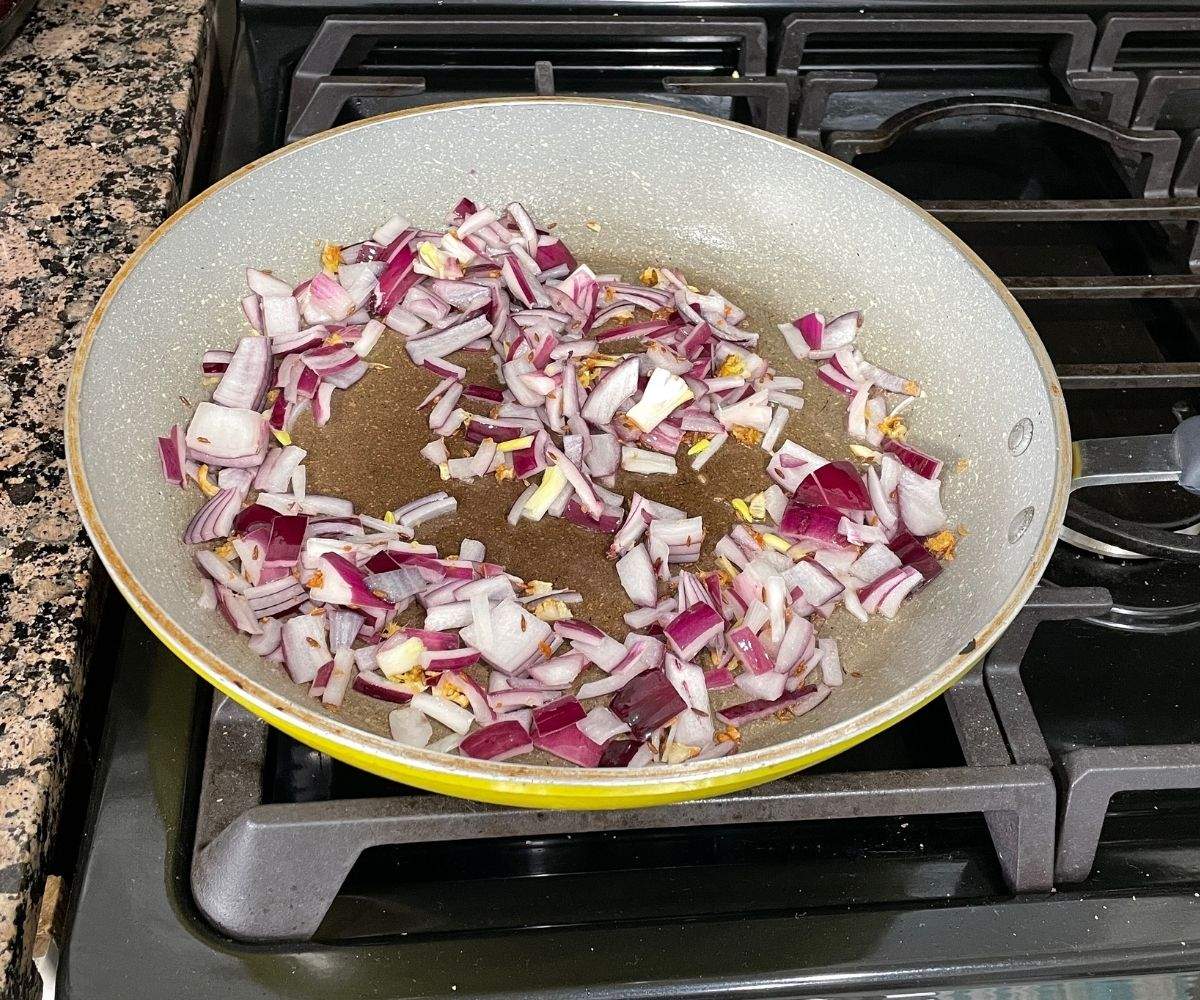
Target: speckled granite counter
96 104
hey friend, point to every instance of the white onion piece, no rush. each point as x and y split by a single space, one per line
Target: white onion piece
884 509
775 428
663 394
601 725
225 433
636 574
874 561
449 714
409 726
768 686
371 333
702 459
266 284
610 392
304 647
515 637
208 596
831 663
920 504
339 677
280 315
647 462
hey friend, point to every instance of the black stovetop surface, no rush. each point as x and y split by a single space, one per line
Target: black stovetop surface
895 904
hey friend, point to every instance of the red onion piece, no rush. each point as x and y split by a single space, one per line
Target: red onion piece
172 453
923 465
750 651
236 611
834 484
618 753
819 522
499 741
571 745
803 699
912 553
646 703
549 719
691 630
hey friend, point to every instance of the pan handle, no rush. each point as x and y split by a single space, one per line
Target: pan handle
1144 459
1147 458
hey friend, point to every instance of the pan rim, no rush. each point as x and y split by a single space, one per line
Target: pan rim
692 778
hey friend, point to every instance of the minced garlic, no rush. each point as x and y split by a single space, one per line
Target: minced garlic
893 427
747 435
942 545
552 610
733 365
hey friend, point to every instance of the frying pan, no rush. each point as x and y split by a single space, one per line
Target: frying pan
779 228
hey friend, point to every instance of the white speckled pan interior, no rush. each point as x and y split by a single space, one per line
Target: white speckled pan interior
777 227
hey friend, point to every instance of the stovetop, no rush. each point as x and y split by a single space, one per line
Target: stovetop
1040 823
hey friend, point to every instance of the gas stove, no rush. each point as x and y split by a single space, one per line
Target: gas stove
1037 825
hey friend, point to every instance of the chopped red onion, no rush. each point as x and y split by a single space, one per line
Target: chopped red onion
549 719
374 686
619 753
571 745
803 699
691 630
923 465
646 703
835 484
499 741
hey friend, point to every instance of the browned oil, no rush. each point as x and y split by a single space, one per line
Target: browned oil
369 453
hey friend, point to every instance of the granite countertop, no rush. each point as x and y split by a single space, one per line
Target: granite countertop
97 101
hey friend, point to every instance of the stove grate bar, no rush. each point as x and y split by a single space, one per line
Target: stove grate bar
1091 776
1161 375
1002 669
1116 28
1074 34
237 880
1157 286
238 883
342 44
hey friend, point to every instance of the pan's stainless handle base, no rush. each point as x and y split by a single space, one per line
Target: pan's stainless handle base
1147 458
1151 458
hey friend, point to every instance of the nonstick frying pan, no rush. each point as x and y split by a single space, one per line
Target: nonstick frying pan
779 228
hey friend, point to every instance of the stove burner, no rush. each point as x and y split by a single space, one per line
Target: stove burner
1150 596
